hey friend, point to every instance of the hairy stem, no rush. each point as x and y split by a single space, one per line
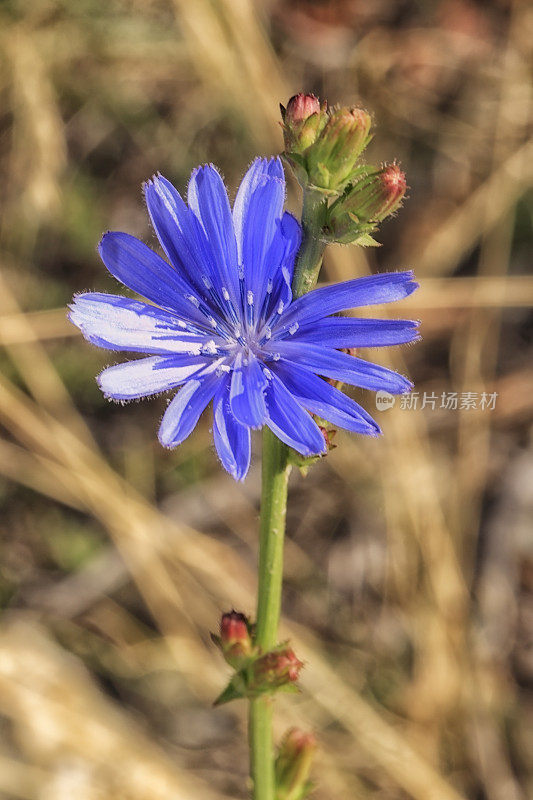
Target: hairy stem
275 475
311 252
276 471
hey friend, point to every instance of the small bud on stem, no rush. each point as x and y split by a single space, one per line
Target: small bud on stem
235 640
293 765
300 107
332 159
276 668
376 195
303 119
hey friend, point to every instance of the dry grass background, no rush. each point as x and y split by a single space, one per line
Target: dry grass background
409 573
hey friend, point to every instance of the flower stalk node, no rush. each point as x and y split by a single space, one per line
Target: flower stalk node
259 673
279 668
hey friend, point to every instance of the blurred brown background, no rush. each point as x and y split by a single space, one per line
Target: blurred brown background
409 572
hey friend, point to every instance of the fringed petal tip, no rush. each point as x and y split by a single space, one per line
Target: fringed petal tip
102 386
407 278
208 171
165 444
153 179
72 309
105 236
237 471
374 432
409 386
264 167
411 286
76 311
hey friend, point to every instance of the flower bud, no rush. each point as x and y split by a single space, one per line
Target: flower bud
235 640
372 198
293 765
301 106
303 119
331 160
393 186
277 668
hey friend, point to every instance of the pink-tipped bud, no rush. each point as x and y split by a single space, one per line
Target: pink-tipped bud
372 198
276 668
293 764
235 639
300 107
296 742
303 119
394 185
233 628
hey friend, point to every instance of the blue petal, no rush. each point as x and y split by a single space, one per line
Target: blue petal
281 259
232 440
247 392
257 216
319 397
147 376
185 242
261 172
366 291
290 234
177 230
209 202
181 416
140 269
342 367
290 422
119 323
348 332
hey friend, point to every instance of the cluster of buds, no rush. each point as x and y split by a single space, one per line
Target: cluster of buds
293 765
366 202
323 145
256 672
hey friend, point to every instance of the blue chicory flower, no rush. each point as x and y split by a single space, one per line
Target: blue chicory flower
224 326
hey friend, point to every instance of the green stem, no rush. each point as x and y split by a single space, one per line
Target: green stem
275 476
261 749
310 256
